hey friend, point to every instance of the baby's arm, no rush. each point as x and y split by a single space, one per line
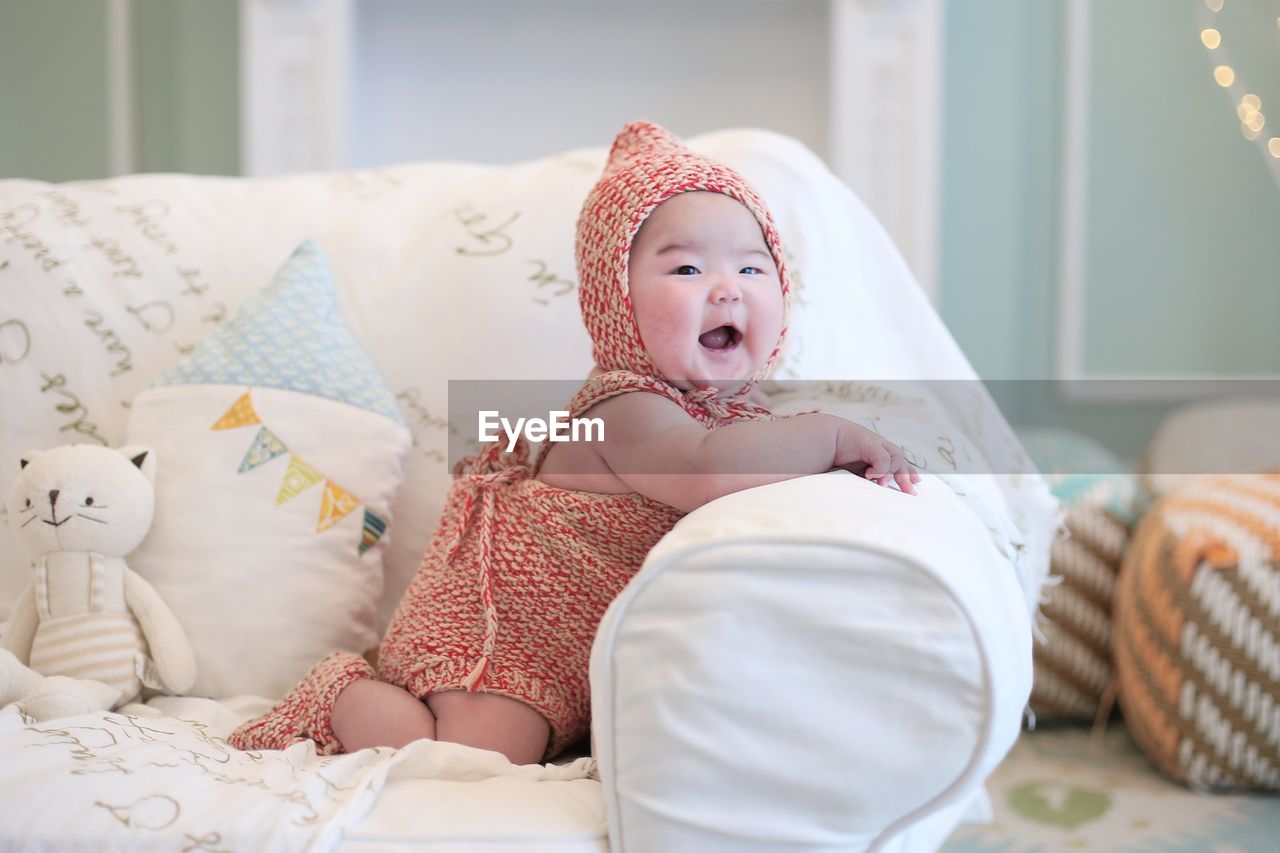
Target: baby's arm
653 446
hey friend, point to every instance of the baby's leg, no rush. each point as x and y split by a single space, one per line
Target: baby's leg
306 713
374 713
491 721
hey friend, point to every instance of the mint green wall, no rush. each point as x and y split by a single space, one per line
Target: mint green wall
999 161
53 87
1184 228
1183 259
53 108
186 70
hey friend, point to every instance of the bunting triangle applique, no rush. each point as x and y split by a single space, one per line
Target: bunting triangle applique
265 447
299 476
240 414
374 527
297 479
337 502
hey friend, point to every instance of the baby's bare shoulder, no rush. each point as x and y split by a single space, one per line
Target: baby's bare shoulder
645 431
631 423
641 413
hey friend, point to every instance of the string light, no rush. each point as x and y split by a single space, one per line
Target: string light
1248 105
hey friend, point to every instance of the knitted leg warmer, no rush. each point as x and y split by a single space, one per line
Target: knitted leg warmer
307 712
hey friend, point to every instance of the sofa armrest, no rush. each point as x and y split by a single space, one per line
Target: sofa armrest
819 663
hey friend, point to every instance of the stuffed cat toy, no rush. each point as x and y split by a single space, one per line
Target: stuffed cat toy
87 633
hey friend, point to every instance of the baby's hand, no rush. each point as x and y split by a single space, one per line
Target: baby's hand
866 454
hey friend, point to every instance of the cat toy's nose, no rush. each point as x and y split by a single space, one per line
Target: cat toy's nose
53 497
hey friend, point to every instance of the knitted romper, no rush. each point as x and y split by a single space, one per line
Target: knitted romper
516 580
519 573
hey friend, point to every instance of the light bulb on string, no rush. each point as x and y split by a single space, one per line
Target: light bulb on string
1232 79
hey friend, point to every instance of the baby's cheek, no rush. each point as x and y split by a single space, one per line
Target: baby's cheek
657 319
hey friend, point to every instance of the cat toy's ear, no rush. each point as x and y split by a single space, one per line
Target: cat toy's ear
27 458
144 458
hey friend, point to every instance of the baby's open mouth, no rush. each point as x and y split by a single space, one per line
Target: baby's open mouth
720 338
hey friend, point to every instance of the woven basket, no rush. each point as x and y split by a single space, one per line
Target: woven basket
1073 655
1197 633
1101 499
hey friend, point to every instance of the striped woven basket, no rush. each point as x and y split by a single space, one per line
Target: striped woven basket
1101 499
1197 633
1073 656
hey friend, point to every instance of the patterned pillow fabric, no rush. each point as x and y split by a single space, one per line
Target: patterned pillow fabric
1197 633
1101 501
279 451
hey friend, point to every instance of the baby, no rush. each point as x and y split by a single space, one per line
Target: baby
684 292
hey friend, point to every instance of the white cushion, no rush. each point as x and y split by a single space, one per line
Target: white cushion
273 494
1236 436
821 677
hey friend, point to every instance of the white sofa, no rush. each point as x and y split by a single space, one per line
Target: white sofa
820 664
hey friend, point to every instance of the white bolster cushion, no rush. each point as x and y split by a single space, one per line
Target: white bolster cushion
817 664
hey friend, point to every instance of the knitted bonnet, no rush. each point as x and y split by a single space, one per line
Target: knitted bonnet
648 165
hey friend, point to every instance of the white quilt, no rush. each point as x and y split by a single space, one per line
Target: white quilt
161 776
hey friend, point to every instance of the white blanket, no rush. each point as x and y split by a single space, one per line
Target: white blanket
161 775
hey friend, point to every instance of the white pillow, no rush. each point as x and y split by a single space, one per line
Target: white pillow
1232 436
279 451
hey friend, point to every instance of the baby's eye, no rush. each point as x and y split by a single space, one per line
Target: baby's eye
28 501
686 269
752 271
88 501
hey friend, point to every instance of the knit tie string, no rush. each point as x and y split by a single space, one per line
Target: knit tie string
483 473
707 399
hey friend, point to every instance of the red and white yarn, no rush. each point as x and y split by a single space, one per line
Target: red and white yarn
647 165
307 712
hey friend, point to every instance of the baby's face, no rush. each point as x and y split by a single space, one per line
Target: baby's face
705 291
